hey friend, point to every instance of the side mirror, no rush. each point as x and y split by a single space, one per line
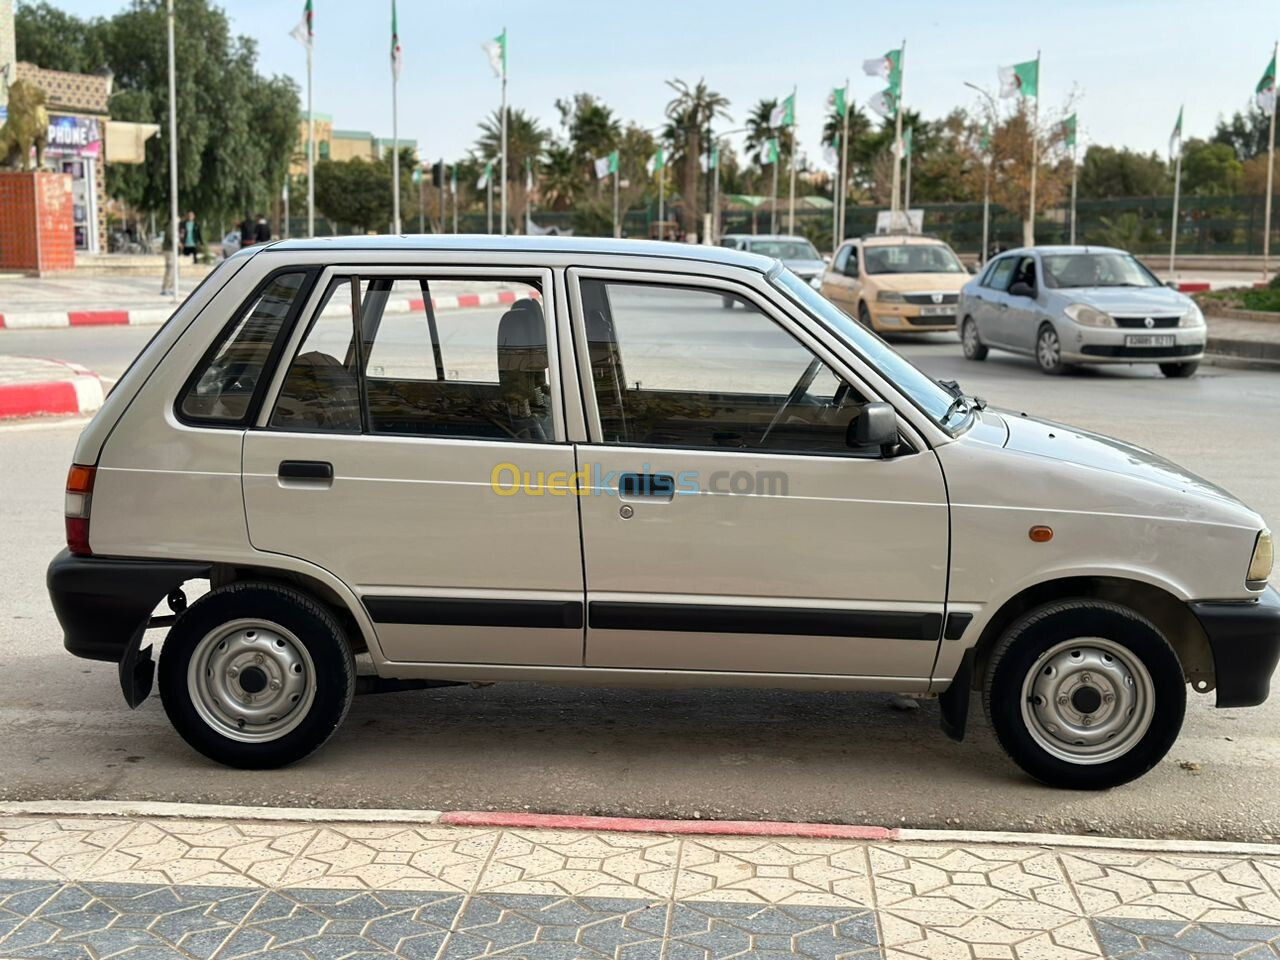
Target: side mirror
875 426
1021 289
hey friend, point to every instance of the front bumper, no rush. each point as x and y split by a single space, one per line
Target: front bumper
1245 640
1081 344
906 318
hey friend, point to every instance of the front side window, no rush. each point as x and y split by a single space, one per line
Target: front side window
842 259
405 356
671 367
911 258
785 249
223 389
1000 274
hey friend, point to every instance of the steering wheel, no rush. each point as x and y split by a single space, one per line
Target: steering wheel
799 390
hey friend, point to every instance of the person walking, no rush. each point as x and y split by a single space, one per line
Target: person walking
192 239
248 230
262 231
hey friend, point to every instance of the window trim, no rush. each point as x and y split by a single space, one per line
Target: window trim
350 270
266 381
715 285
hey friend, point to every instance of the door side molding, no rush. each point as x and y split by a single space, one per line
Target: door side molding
788 621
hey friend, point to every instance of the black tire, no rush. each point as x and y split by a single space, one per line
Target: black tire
330 689
864 316
1049 359
1178 371
1025 649
970 341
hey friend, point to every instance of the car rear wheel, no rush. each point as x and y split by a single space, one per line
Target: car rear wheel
864 316
1179 370
1049 351
256 675
970 341
1085 694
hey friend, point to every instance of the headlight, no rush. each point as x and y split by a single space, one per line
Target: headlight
1088 317
890 296
1264 555
1192 318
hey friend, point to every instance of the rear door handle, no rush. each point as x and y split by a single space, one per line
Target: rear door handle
307 471
647 487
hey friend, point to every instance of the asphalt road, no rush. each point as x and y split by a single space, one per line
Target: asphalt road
709 753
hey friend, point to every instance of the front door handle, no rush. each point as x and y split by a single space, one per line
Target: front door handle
647 487
306 471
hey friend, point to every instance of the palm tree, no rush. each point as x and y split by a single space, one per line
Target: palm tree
526 140
691 112
561 177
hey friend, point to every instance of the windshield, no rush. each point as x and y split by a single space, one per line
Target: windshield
910 258
924 391
1065 270
785 249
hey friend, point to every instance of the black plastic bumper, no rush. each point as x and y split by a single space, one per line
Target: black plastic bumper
1245 640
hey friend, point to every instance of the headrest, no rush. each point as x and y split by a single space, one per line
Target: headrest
522 337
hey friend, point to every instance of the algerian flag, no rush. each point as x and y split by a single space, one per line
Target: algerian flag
714 163
1020 79
655 163
606 165
784 114
397 55
770 154
1265 93
831 152
497 51
484 177
528 173
889 66
984 139
907 140
885 103
416 176
304 32
1069 131
1175 138
453 180
838 100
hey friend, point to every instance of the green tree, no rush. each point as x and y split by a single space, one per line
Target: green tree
562 180
691 112
57 40
526 141
354 193
1120 172
592 129
1210 169
1245 133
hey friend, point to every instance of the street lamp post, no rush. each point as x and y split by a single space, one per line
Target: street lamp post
986 180
173 156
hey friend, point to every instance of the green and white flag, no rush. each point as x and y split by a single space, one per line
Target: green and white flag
714 162
907 138
416 176
784 114
885 103
831 151
770 153
888 66
1265 93
304 32
1175 138
1069 132
1021 79
484 177
606 165
453 180
497 51
528 173
984 139
655 163
397 55
838 100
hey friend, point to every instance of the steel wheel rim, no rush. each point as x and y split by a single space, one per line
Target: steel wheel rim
1049 350
1088 700
251 680
970 334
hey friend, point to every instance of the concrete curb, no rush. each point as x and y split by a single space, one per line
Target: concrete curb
76 391
1260 353
539 821
154 316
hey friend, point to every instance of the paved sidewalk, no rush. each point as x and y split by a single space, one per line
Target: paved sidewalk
1247 340
140 888
31 386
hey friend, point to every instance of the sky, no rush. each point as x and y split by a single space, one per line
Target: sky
1125 65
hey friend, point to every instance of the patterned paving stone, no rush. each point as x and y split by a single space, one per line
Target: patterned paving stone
568 864
774 870
954 935
715 930
1174 940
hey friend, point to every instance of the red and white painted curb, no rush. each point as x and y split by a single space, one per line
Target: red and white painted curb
49 387
154 316
1204 286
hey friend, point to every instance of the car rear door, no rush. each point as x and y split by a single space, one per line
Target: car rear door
387 453
726 525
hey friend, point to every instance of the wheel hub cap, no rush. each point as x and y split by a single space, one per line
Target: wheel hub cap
251 681
1088 700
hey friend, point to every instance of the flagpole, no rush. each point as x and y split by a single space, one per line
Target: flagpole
1271 168
844 164
617 172
528 195
835 209
395 138
1074 174
773 207
986 210
311 151
894 205
1177 184
173 157
906 189
502 187
662 199
791 201
488 202
715 196
1035 147
442 199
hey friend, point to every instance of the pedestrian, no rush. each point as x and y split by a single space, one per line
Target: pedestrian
248 229
192 239
262 232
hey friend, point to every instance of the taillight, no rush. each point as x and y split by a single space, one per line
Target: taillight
79 499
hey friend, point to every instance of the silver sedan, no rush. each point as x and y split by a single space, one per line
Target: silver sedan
1072 305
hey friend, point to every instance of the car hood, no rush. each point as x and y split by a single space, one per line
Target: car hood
1128 300
1056 441
908 282
805 268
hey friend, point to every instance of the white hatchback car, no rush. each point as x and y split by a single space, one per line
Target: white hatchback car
597 475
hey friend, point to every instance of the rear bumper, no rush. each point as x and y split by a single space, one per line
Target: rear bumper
101 602
1245 640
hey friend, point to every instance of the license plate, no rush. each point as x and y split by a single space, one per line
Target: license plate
1149 340
946 310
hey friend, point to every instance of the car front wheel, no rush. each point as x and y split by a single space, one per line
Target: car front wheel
1085 694
1049 351
256 675
970 341
864 316
1179 370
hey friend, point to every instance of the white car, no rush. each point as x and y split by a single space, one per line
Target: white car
609 479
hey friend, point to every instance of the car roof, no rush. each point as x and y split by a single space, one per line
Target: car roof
1062 248
764 236
899 238
483 243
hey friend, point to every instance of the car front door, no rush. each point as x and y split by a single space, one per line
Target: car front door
380 459
1022 316
993 309
727 526
840 283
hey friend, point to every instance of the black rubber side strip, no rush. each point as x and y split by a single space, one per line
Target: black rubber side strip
788 621
449 612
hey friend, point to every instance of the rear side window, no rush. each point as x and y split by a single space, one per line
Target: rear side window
221 391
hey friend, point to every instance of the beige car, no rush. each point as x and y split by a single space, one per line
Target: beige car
897 284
